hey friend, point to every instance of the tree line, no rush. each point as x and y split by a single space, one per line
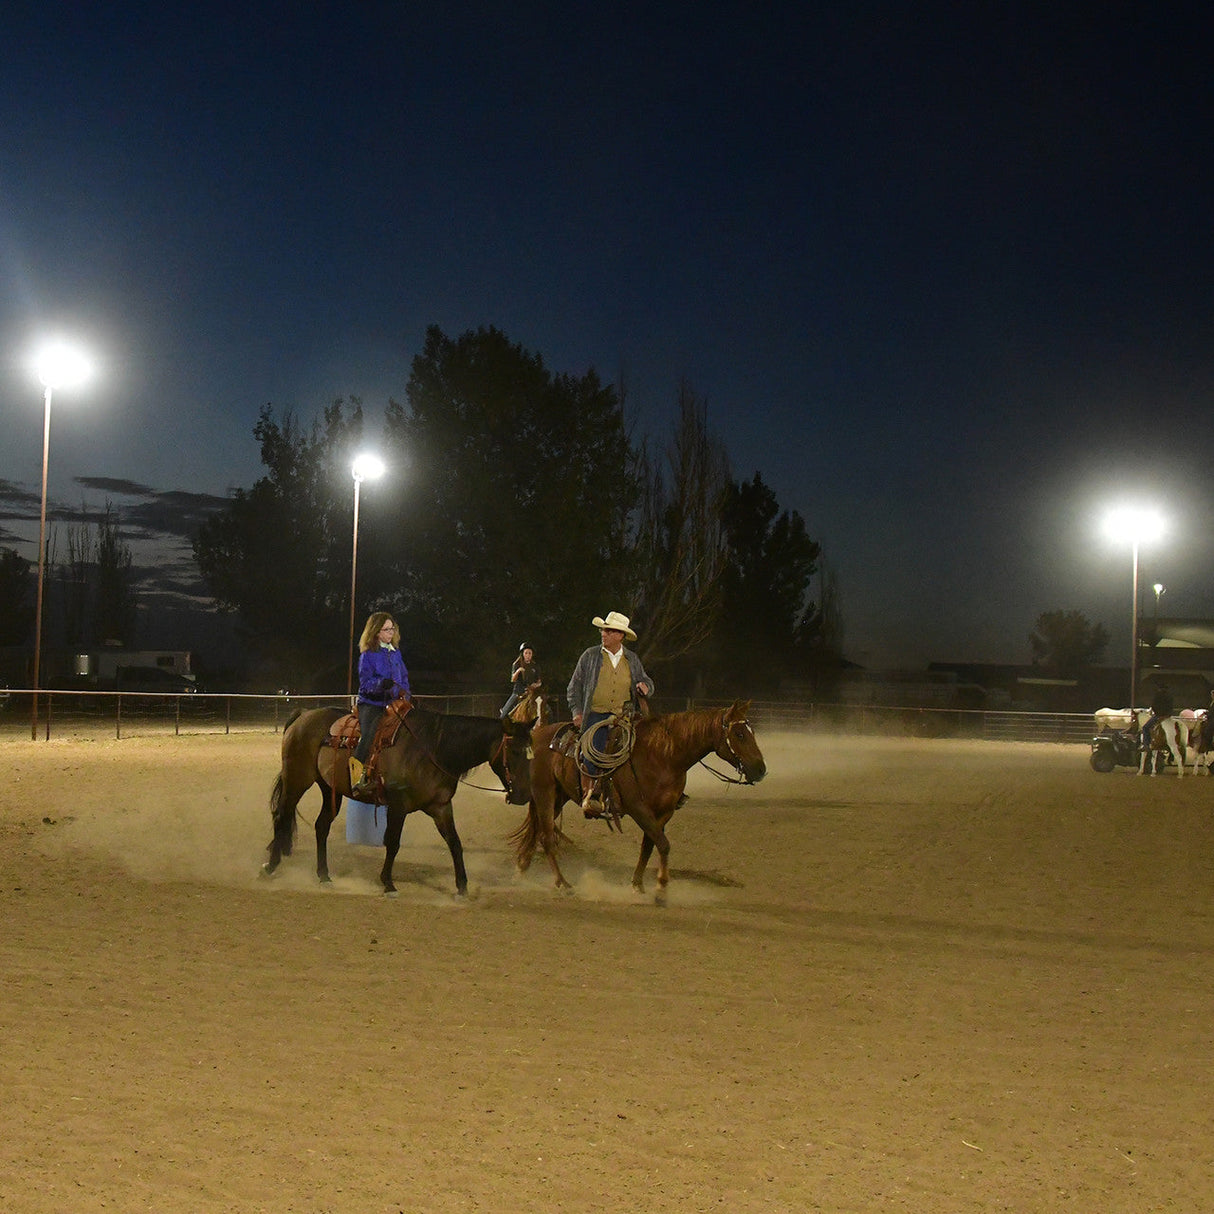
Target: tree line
518 506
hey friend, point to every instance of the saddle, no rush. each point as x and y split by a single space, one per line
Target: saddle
345 732
565 740
567 743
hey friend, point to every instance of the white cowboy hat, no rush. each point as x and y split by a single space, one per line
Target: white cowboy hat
617 622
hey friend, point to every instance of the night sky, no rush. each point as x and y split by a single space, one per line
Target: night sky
942 274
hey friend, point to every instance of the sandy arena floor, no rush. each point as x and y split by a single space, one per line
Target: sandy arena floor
896 976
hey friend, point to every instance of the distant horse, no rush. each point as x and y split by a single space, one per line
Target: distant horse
648 787
1168 736
531 708
1200 749
420 770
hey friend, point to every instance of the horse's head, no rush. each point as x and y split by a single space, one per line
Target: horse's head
737 744
511 763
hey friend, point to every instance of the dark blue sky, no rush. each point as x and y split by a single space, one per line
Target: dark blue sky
942 273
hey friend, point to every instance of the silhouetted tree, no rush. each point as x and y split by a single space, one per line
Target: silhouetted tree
679 550
279 554
17 589
768 623
96 582
514 524
1067 642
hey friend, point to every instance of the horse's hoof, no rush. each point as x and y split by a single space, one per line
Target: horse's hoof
391 893
324 878
267 870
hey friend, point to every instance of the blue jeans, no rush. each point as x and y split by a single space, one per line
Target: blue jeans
368 722
594 723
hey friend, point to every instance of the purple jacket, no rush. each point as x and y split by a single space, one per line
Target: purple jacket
382 677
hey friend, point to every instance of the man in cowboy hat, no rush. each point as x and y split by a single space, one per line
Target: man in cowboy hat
606 678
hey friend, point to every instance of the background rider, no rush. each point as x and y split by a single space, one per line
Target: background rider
524 675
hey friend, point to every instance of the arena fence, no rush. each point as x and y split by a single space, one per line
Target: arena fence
126 714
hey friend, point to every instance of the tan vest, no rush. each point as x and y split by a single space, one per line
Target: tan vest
614 688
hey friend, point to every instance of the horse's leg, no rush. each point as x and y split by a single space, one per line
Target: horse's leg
653 837
1175 745
392 827
444 819
288 788
548 833
547 797
330 804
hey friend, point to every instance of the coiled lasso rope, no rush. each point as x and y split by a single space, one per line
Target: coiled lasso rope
608 761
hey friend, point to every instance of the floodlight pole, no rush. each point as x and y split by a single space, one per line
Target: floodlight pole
364 466
358 480
1134 633
46 451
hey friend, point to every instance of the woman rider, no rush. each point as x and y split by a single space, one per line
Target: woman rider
382 678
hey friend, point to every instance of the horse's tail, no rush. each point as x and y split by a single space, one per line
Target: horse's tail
526 837
283 818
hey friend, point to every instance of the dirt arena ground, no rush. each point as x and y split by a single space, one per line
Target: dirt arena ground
897 976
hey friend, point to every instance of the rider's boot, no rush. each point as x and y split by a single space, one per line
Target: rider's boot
592 803
362 786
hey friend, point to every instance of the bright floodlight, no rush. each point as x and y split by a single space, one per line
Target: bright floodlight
367 467
1138 524
61 365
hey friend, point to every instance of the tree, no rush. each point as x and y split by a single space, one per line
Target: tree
678 548
768 624
115 603
1067 642
279 555
518 494
96 583
16 598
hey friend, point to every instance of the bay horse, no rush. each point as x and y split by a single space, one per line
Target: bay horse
420 771
648 786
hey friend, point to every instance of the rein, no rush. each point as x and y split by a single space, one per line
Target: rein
505 752
726 779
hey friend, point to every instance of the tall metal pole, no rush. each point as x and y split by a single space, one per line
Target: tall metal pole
353 584
46 451
1134 634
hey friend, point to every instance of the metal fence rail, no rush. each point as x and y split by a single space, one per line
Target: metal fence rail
127 714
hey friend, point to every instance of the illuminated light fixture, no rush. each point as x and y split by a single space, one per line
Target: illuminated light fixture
58 364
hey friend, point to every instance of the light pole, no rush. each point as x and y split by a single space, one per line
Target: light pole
1139 524
365 467
57 365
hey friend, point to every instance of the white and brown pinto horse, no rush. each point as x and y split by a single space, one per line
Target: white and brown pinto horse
1168 736
1200 748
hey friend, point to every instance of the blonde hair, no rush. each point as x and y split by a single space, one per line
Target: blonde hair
370 637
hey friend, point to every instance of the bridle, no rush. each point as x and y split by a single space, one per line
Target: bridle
504 754
732 757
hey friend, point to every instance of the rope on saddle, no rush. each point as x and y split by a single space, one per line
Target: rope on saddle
608 760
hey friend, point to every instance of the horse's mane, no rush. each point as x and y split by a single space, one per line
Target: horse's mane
456 742
666 735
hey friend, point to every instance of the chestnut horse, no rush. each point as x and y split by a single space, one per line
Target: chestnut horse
420 770
648 786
